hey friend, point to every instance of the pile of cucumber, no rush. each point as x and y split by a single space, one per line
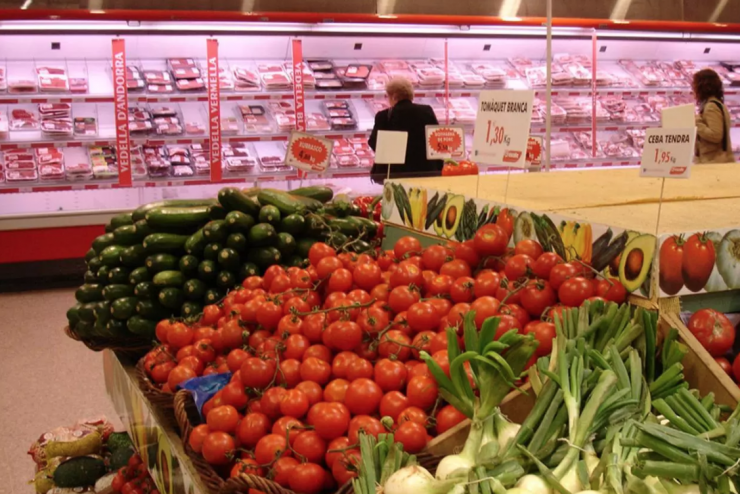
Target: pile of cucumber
170 258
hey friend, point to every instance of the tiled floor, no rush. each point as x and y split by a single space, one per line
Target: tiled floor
46 379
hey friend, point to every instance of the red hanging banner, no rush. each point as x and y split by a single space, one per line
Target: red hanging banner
123 144
298 96
214 110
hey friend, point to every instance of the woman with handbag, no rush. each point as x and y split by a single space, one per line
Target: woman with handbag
713 123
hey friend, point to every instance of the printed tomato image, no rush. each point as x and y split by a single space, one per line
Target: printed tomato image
698 261
713 330
671 263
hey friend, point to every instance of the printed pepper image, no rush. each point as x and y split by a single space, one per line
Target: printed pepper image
418 202
577 239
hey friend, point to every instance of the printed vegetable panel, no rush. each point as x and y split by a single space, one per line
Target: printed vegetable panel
699 262
612 252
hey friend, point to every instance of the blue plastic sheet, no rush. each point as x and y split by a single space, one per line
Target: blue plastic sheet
203 388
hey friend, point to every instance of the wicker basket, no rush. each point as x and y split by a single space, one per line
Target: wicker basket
164 402
133 347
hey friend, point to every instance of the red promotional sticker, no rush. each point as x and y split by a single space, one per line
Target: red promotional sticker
512 156
445 141
310 152
534 151
123 143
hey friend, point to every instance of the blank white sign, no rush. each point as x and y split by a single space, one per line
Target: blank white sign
390 148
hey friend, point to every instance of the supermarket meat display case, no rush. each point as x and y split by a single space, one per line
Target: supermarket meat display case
59 178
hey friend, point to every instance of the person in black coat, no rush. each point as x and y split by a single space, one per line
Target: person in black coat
405 115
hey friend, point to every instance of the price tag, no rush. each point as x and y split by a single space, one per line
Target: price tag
390 148
502 127
668 153
534 151
445 141
308 152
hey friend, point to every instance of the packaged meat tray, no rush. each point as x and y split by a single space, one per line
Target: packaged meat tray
336 105
272 162
3 80
21 175
51 157
329 84
51 172
246 79
57 127
55 110
53 83
229 125
276 80
182 171
265 68
186 73
22 86
160 88
135 84
20 165
163 111
191 84
158 77
393 65
18 155
240 164
4 126
317 121
431 76
166 120
139 127
195 128
78 171
320 65
343 123
181 63
168 129
354 71
348 160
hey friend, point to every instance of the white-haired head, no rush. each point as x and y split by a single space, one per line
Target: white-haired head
399 89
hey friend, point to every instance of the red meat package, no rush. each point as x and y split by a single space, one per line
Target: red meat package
157 77
53 158
18 155
21 175
55 109
22 86
181 63
186 73
54 83
58 126
21 165
160 89
24 124
190 84
78 85
51 172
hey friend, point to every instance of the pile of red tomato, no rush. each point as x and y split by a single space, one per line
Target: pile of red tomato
134 478
322 353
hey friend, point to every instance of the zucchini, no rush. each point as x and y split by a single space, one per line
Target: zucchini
216 231
284 202
122 219
171 298
213 295
133 256
261 234
79 471
164 242
146 291
308 203
140 212
90 254
143 228
196 243
336 239
86 312
237 242
127 235
264 257
229 259
269 214
109 228
169 279
359 246
94 264
285 244
117 328
194 289
151 309
102 275
211 251
293 224
84 329
297 261
161 262
207 271
216 212
239 222
226 279
178 218
89 292
100 327
123 308
138 275
353 226
191 309
118 275
303 245
248 269
102 242
90 277
188 265
232 199
316 225
102 312
73 316
113 292
141 326
111 255
318 192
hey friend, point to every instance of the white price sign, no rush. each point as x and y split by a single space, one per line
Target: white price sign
502 127
668 153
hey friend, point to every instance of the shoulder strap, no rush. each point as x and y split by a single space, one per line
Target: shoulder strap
724 128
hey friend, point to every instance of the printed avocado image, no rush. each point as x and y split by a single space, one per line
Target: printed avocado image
524 228
634 267
614 263
387 208
439 215
164 464
451 215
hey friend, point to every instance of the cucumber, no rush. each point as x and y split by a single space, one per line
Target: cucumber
140 212
122 219
308 203
171 298
207 271
286 203
80 471
113 292
217 212
117 328
146 291
226 279
138 275
211 251
336 239
303 245
264 257
94 264
194 289
316 225
237 242
118 275
102 242
239 222
285 244
90 254
102 312
89 292
354 226
248 269
151 309
216 231
102 275
261 234
297 261
318 192
111 255
229 259
196 243
143 228
269 214
164 242
232 199
84 329
86 312
188 265
123 308
213 295
127 235
360 246
169 279
161 262
178 218
191 309
90 277
73 316
141 326
100 328
133 256
293 224
109 228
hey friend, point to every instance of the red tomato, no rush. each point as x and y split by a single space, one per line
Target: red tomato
536 297
373 319
433 257
311 446
257 373
422 341
339 281
251 429
333 450
269 315
346 335
217 448
197 436
395 343
313 326
270 401
271 273
532 248
318 251
336 390
713 330
422 316
287 427
312 390
447 418
345 468
294 404
327 266
736 368
462 290
422 392
194 363
439 285
611 290
321 352
329 420
367 276
465 251
724 364
671 257
413 414
487 283
390 375
282 470
307 478
316 370
518 266
491 240
270 448
412 436
506 220
179 374
341 364
407 273
363 396
457 268
406 246
543 332
234 395
456 314
366 424
360 368
380 292
179 335
402 297
393 403
574 291
698 261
